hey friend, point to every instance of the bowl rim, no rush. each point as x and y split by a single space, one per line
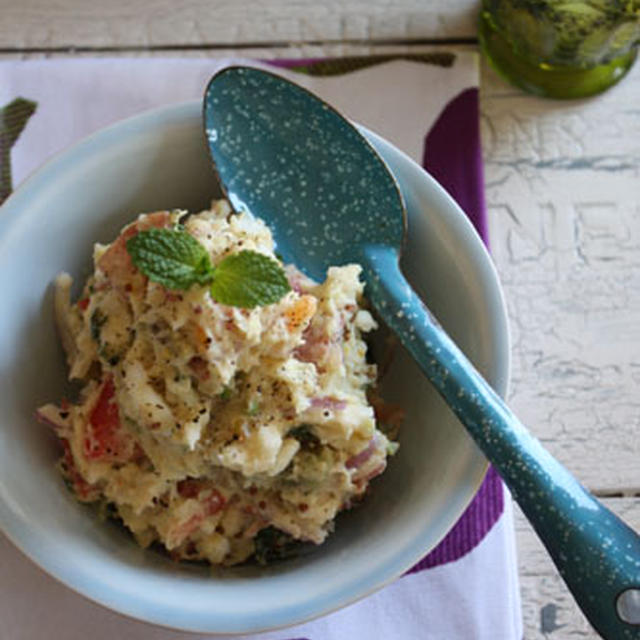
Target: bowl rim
456 219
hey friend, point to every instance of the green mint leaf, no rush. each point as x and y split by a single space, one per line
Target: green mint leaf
170 257
249 279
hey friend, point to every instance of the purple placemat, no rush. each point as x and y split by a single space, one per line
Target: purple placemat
453 156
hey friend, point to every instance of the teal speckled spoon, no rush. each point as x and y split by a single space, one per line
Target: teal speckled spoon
289 158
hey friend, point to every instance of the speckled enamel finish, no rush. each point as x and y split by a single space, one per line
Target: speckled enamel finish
287 157
596 553
288 160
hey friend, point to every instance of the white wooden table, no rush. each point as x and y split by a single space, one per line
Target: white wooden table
563 190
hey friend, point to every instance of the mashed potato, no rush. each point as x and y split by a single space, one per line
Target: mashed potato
217 430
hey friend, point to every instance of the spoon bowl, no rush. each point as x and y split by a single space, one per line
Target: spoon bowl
266 165
287 157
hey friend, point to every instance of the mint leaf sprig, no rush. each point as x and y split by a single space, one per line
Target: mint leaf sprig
170 257
176 260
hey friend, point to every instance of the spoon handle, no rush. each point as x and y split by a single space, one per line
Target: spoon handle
596 553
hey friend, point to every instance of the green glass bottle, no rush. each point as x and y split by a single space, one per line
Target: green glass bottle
561 48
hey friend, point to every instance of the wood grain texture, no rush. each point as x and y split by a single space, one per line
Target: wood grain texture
50 24
266 51
549 612
563 194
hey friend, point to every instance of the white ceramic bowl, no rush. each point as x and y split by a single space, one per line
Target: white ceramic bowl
158 161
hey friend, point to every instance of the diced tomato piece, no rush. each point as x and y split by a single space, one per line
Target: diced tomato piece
200 368
214 503
190 487
83 304
105 439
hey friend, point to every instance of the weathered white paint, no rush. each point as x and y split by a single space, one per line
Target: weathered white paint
548 609
563 189
563 194
158 23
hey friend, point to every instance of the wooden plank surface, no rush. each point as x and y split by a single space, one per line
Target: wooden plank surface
42 24
549 612
563 192
563 195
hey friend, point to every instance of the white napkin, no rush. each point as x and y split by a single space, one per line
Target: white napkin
474 597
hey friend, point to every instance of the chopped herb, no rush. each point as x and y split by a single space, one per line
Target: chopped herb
308 440
107 510
254 408
225 394
272 545
106 354
96 322
392 448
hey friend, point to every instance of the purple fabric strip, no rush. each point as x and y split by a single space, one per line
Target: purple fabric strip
474 524
453 156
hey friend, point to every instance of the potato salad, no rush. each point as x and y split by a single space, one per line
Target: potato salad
227 405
